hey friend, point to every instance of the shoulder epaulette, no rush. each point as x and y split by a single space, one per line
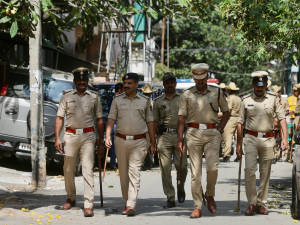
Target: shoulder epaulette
158 97
212 86
120 94
246 96
188 89
94 92
67 91
146 97
271 93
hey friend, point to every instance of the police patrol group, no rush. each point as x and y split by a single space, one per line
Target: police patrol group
195 122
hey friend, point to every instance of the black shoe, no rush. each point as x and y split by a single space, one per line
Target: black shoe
226 159
181 196
144 168
170 204
274 161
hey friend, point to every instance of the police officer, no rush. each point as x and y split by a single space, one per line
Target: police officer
198 109
234 105
277 129
134 117
80 107
166 117
257 115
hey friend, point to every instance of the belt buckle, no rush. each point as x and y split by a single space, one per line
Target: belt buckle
129 137
79 131
171 130
202 126
260 134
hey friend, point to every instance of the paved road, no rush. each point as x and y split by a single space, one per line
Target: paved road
38 207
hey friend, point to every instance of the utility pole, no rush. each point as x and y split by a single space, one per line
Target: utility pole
168 42
38 151
162 50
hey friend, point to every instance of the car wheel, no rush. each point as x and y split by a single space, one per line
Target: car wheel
295 207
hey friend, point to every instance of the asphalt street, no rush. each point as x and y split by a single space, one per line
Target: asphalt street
18 205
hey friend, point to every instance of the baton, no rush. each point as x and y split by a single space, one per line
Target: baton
104 169
239 186
179 177
100 181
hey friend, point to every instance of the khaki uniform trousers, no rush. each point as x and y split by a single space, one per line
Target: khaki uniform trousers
229 132
167 147
84 145
130 156
261 148
199 141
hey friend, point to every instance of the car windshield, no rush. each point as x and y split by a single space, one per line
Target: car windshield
18 86
54 89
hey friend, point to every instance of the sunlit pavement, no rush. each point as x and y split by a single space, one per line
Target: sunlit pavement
18 205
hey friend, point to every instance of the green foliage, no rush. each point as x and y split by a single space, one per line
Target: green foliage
272 24
61 15
210 40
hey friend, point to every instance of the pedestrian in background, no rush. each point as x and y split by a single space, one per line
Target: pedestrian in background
257 116
234 105
134 117
166 117
292 100
80 108
277 129
198 110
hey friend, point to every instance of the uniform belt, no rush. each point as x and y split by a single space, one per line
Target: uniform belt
202 126
133 137
170 130
261 134
80 131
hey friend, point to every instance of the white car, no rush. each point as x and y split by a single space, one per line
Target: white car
15 112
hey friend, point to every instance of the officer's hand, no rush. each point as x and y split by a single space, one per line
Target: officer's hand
180 146
58 146
100 151
108 142
284 144
152 149
298 126
239 152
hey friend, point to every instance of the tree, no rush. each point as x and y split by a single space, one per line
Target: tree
210 40
274 25
19 15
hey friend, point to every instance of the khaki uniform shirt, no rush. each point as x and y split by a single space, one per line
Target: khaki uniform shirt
195 106
297 112
166 111
234 105
285 105
131 115
260 112
80 111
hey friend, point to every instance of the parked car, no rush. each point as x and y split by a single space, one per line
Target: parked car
295 207
15 112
